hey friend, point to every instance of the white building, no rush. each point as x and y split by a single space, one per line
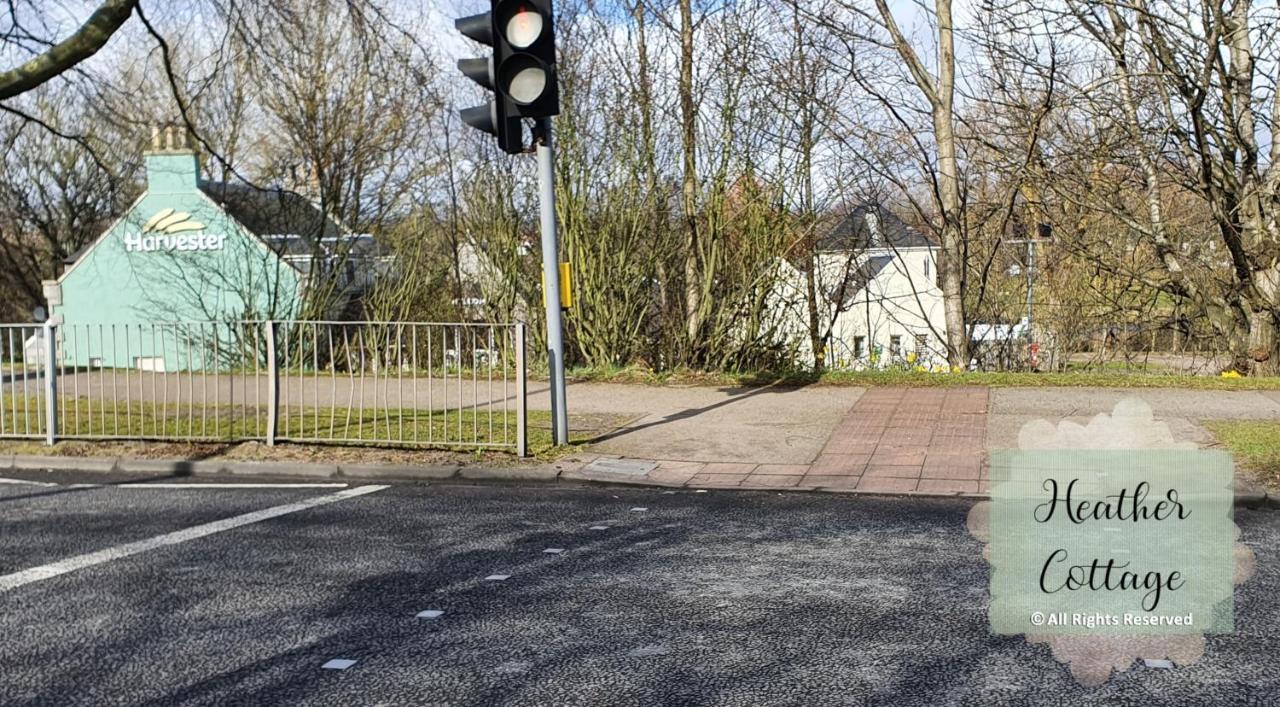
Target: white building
878 295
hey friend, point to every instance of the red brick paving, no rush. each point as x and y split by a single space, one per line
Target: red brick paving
710 480
782 469
771 480
908 439
728 468
831 482
887 485
893 440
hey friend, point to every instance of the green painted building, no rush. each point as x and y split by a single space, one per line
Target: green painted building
186 252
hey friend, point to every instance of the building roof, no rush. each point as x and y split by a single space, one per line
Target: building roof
285 220
857 278
79 253
272 213
854 232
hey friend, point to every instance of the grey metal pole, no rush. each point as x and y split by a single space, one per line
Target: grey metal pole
50 365
551 276
1031 284
273 384
522 390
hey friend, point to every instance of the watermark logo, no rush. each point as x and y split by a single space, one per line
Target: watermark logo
1111 542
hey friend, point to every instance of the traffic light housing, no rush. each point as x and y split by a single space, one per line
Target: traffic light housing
525 56
521 73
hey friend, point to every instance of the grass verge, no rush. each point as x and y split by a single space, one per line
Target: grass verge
321 433
1255 443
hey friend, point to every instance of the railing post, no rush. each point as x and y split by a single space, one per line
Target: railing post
50 383
273 384
522 412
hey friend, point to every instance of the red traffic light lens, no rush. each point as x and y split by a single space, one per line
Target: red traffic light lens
523 27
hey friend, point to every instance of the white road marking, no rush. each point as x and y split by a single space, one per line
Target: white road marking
338 664
554 550
497 578
430 614
24 482
71 564
198 485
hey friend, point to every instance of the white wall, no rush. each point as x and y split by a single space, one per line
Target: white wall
903 300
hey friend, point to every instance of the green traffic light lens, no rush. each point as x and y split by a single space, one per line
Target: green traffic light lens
527 84
523 78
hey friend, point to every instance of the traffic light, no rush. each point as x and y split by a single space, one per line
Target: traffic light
521 72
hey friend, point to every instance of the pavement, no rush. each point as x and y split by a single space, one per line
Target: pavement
931 441
894 440
762 425
186 594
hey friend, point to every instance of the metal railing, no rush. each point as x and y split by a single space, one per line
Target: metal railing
398 383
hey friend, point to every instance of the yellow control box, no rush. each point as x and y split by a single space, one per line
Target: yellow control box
566 287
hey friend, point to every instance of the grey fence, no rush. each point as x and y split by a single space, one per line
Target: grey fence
399 383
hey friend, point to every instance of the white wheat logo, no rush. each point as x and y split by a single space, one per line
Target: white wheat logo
172 230
170 221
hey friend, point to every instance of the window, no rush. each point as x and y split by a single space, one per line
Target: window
153 364
922 343
859 346
895 346
926 266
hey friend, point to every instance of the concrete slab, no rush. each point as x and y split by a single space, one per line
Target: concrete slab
1002 430
398 471
1182 410
625 467
749 425
307 469
59 463
1165 403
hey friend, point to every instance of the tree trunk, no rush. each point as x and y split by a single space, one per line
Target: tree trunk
952 262
940 93
688 143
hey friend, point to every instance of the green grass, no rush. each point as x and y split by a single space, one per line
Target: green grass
1255 443
1128 367
466 430
1099 379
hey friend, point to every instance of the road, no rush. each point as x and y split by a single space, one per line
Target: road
722 598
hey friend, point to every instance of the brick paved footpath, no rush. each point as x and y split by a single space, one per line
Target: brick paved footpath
923 440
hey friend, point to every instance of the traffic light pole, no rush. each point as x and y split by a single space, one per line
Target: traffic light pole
551 276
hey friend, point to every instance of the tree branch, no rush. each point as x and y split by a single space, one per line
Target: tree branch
64 55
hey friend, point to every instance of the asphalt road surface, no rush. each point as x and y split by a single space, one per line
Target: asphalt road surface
113 594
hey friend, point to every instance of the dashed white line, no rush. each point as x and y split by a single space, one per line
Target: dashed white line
71 564
24 482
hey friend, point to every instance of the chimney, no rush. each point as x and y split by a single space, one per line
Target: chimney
172 167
